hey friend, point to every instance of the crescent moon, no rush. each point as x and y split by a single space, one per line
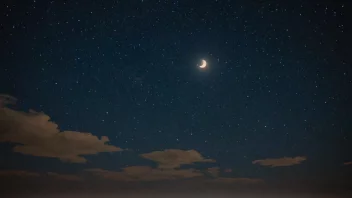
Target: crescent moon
204 64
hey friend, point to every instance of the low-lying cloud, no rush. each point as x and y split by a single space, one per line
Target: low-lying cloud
6 100
18 173
347 163
174 158
36 135
277 162
237 180
66 177
26 174
214 171
145 173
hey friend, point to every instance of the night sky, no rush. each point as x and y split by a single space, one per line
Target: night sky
111 92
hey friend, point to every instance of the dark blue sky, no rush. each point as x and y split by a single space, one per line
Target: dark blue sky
277 84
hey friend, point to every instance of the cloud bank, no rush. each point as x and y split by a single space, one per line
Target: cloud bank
35 134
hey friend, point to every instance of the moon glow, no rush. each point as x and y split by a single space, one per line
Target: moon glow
204 64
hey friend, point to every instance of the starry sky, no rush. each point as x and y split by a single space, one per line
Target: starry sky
111 92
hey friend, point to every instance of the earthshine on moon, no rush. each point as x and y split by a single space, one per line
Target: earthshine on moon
204 64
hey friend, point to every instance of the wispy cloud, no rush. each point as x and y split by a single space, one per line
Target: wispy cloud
19 173
276 162
145 173
347 163
214 171
169 162
236 180
64 176
24 173
174 158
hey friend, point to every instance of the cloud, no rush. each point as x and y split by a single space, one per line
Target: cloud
347 163
214 171
6 100
36 135
174 158
145 173
64 177
23 173
236 180
285 161
19 173
169 163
